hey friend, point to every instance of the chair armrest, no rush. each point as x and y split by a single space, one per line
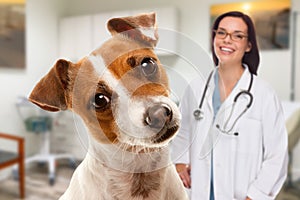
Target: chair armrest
11 137
18 139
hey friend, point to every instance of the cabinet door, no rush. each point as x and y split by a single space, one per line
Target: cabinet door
75 37
66 38
100 32
167 23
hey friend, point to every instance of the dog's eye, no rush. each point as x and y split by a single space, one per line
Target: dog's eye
148 66
100 101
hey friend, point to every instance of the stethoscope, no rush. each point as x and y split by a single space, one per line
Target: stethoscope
199 114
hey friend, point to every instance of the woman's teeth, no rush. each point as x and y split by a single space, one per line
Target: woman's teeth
226 49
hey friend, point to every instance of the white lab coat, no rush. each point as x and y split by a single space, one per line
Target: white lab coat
254 163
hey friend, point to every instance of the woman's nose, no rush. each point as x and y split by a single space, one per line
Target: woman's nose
227 38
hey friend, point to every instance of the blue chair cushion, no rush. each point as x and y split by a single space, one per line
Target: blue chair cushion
7 156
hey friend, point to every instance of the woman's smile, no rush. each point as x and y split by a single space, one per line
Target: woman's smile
226 49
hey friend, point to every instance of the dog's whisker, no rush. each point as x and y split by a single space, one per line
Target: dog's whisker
124 154
116 151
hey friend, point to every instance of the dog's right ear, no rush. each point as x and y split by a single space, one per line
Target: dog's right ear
50 93
140 27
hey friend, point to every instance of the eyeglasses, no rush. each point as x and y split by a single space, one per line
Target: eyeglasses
235 36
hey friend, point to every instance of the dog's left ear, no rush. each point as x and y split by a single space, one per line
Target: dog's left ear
50 93
140 27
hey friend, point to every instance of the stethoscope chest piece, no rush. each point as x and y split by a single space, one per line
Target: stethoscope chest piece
198 114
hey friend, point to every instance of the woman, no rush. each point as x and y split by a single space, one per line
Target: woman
233 152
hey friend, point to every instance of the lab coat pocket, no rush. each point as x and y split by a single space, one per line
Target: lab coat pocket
247 151
249 135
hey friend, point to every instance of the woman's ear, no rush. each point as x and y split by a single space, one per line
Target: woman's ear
249 47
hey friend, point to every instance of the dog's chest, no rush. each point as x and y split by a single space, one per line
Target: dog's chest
134 186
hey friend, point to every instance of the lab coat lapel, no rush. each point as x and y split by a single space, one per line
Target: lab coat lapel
210 91
224 113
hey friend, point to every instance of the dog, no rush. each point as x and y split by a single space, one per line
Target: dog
121 92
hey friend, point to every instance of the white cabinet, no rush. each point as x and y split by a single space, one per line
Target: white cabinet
100 32
99 21
167 22
79 35
75 34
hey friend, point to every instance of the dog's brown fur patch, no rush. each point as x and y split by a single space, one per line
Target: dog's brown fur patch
123 68
144 183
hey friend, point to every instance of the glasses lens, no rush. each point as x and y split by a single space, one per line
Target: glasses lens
237 36
221 34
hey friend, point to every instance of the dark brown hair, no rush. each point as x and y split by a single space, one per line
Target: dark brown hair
250 58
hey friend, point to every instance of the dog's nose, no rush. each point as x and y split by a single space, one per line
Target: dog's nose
158 115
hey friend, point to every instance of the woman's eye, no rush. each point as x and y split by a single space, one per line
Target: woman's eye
148 66
221 33
100 101
238 36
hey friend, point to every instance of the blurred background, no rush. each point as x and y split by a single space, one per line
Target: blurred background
35 33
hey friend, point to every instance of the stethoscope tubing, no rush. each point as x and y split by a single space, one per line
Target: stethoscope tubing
198 113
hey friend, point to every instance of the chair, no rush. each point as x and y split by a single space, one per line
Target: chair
8 158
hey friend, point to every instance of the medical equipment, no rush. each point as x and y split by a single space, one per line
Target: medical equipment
199 114
40 122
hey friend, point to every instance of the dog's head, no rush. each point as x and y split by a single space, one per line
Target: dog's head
120 90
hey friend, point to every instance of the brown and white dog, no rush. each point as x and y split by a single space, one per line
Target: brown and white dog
121 92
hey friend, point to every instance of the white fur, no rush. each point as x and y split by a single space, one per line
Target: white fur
94 180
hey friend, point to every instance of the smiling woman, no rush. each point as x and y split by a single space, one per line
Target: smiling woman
242 134
12 33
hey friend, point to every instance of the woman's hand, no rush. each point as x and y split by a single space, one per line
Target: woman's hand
184 172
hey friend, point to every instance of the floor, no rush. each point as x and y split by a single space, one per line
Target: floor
37 185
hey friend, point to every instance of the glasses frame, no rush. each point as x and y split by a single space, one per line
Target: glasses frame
240 36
